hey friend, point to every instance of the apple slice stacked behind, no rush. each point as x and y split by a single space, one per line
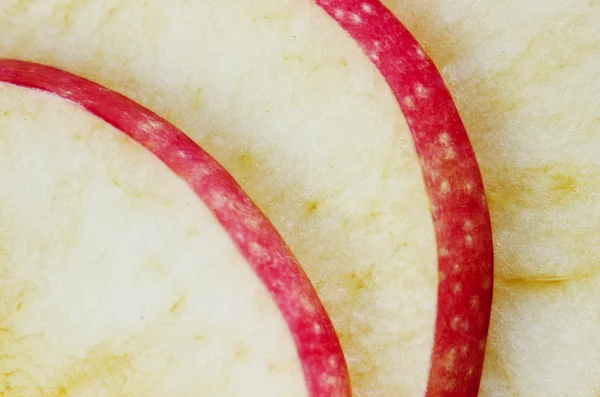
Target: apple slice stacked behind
133 264
526 77
289 103
454 185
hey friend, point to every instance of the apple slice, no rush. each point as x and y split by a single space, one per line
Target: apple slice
525 75
133 264
454 185
288 102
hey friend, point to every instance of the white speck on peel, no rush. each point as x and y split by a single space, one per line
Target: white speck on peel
252 223
182 153
464 325
469 187
218 200
333 362
454 323
445 186
377 44
317 328
374 56
456 268
468 225
469 240
367 8
203 170
470 371
420 90
434 173
240 209
356 18
444 138
307 305
148 126
339 13
457 288
420 53
329 380
257 250
451 355
409 102
240 237
444 251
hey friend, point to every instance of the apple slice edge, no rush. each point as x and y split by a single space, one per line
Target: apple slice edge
454 184
317 344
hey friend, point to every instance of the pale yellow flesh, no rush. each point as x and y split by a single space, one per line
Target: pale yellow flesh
115 279
278 93
526 77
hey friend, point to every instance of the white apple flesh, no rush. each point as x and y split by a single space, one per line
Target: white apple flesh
288 102
133 264
525 75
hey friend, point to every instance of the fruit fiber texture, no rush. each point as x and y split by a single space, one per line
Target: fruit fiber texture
289 103
526 80
318 349
454 185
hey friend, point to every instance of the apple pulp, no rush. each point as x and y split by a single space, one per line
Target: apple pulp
525 78
280 95
133 264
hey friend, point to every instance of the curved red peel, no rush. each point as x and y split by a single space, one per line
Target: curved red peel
453 180
318 347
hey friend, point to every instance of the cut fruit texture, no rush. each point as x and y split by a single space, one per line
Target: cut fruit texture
291 106
526 79
453 180
133 264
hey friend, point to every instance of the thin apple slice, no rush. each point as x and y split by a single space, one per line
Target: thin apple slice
453 179
292 107
526 78
133 264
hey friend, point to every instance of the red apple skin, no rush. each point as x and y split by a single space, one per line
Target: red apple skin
453 181
318 346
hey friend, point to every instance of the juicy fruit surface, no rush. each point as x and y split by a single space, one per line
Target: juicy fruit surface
306 125
150 313
525 77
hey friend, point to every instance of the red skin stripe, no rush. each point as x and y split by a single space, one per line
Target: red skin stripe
317 344
453 180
